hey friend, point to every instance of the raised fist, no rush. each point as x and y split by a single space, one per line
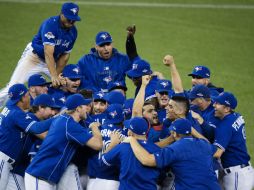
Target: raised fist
131 30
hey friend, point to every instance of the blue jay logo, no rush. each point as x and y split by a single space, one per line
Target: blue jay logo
62 99
164 84
74 10
100 94
198 69
104 36
113 114
10 94
76 70
28 117
21 93
134 66
107 79
200 94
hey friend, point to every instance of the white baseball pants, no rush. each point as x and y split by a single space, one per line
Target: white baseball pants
5 168
33 183
99 184
28 65
239 178
16 182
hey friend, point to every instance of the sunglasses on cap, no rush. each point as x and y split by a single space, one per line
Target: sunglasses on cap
163 93
196 77
105 44
74 79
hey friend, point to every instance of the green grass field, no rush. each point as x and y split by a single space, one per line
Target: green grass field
221 39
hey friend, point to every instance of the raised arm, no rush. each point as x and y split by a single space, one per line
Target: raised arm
140 98
130 44
168 60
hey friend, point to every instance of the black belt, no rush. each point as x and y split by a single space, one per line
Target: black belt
11 161
241 166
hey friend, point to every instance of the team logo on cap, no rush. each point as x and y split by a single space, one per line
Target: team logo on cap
49 35
107 79
164 84
198 69
100 95
106 68
227 102
113 114
62 99
76 70
104 36
42 77
21 93
144 70
134 66
74 10
200 94
10 94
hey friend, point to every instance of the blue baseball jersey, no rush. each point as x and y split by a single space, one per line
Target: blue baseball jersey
157 132
24 159
191 162
97 73
162 114
231 138
58 148
101 118
14 124
133 175
95 169
52 33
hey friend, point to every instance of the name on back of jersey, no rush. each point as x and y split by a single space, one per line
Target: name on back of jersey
238 123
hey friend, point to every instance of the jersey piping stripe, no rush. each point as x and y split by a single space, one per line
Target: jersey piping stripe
221 147
48 43
105 162
77 180
59 161
236 180
30 125
16 181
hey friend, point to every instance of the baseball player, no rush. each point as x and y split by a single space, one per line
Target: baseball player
230 140
101 177
133 175
37 85
163 92
103 65
201 75
189 158
14 125
57 149
41 110
49 50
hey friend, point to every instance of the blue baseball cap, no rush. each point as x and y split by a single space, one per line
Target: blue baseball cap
115 113
117 85
102 38
70 11
181 126
44 100
99 96
227 99
163 86
115 97
137 125
76 100
71 71
201 71
59 99
127 108
139 69
15 93
37 80
199 91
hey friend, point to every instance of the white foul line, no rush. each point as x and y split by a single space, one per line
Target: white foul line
140 4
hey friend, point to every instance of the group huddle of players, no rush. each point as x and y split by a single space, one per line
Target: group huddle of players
80 131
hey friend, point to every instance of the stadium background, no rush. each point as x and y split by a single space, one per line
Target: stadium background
215 33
